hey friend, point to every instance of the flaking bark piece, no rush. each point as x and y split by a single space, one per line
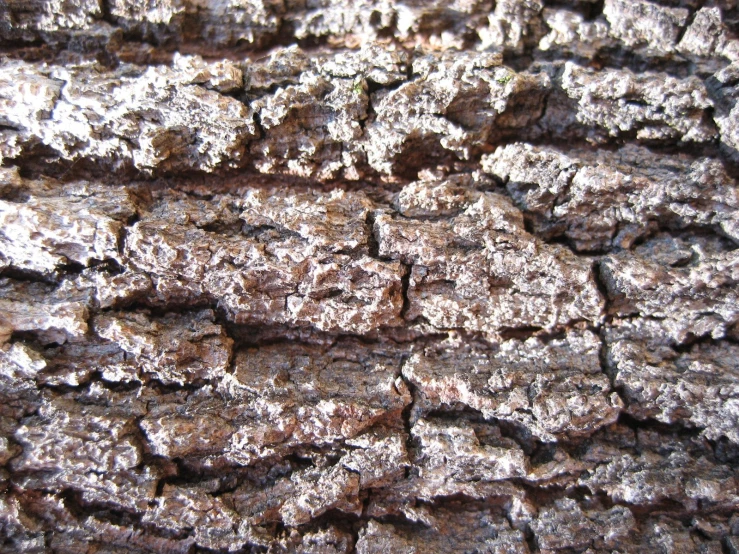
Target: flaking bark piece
90 448
604 200
278 399
45 225
481 271
615 103
696 387
152 119
449 531
554 390
687 283
175 349
53 315
284 273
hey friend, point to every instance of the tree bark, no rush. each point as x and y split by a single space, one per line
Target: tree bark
369 276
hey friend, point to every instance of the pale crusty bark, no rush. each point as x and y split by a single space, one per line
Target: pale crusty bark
369 276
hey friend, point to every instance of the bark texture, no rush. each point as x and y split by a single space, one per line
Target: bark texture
369 276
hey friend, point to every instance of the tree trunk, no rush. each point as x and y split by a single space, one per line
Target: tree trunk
369 276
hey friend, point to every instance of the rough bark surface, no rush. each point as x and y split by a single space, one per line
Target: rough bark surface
369 276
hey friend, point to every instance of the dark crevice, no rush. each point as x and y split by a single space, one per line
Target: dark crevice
674 429
30 276
74 502
405 285
602 286
683 29
589 9
106 11
692 340
407 413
